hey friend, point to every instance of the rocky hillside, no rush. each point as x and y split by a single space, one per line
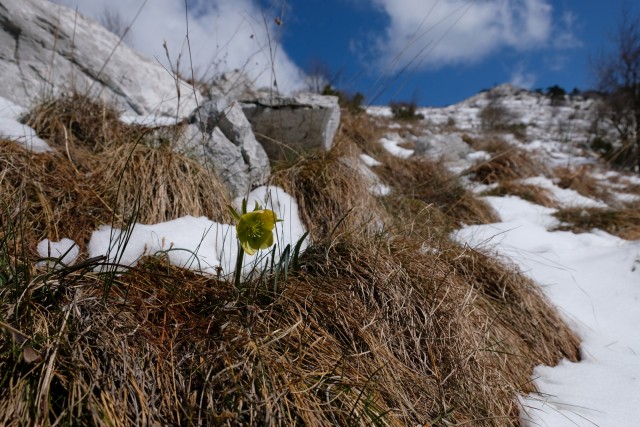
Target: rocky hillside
128 295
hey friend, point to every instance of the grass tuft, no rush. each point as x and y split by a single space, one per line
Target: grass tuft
507 163
624 222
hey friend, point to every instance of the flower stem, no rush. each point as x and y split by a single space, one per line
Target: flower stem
239 259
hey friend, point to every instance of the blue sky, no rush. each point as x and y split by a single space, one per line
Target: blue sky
344 34
436 52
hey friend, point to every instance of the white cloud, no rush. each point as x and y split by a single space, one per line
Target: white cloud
520 77
427 34
565 37
223 34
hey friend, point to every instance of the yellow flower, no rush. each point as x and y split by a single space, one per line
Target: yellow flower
255 229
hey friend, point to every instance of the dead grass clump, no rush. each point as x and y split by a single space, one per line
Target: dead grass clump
160 184
332 192
430 182
624 223
532 193
79 125
580 180
52 199
524 328
363 131
508 162
76 119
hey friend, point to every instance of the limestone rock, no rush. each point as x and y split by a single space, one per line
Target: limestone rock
234 85
48 48
221 135
450 147
289 125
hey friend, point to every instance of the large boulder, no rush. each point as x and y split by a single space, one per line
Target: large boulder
289 125
48 48
220 135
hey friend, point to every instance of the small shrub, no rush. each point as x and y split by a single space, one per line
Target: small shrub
556 94
352 102
403 110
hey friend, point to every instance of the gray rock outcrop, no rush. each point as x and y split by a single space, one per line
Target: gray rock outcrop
220 135
289 125
449 147
48 48
233 85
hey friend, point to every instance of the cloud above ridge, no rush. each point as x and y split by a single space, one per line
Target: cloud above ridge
223 35
430 34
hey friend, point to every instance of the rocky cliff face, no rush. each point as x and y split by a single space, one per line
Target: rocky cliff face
47 48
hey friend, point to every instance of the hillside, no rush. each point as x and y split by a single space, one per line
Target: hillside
468 265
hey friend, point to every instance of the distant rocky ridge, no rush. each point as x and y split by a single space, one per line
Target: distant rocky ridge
47 48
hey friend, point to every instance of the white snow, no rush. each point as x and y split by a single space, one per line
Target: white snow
149 120
199 243
391 144
65 252
11 129
594 280
627 198
369 161
478 156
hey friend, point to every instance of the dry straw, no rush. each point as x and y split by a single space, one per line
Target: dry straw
623 222
529 192
507 162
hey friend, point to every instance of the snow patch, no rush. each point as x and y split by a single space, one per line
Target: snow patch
391 144
65 252
199 243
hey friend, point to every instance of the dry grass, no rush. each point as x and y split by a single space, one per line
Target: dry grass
420 187
80 126
581 180
624 222
104 169
331 192
395 328
367 334
52 198
330 189
431 183
507 163
161 184
532 193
